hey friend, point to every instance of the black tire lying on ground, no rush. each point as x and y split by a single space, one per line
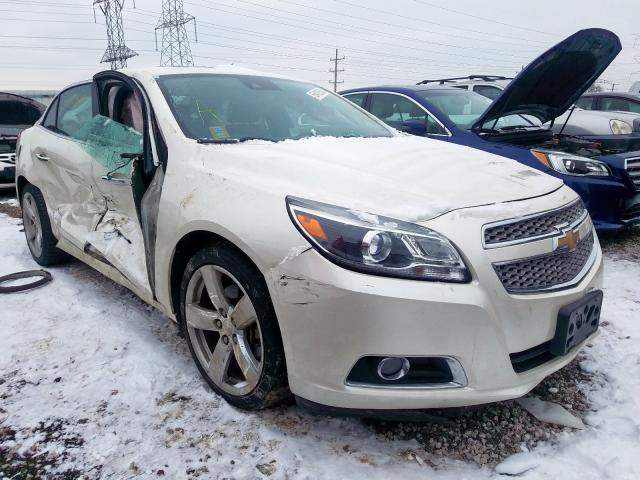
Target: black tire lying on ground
45 277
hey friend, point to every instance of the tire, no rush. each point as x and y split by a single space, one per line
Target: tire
37 229
228 320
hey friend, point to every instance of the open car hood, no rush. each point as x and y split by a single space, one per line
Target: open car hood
550 84
18 113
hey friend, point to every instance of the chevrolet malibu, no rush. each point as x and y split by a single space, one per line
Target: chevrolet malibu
306 248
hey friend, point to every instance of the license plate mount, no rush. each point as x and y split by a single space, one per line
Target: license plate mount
576 322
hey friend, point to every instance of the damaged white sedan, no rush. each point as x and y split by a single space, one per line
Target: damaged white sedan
304 247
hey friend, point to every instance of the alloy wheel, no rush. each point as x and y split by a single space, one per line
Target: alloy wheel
223 328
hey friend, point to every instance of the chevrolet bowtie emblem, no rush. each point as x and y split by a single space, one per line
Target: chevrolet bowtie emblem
570 240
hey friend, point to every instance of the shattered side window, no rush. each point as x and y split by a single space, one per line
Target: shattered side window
74 109
106 140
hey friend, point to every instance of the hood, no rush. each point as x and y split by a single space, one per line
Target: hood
18 113
405 177
550 84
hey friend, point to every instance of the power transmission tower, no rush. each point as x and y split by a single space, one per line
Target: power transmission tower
335 71
176 50
117 52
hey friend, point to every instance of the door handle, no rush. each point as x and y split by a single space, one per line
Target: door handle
111 178
42 157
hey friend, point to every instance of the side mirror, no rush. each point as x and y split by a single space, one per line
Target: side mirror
414 127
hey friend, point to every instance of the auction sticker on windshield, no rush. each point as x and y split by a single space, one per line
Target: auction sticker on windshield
318 93
219 132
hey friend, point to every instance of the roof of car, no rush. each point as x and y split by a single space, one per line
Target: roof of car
400 88
627 95
152 72
219 69
470 79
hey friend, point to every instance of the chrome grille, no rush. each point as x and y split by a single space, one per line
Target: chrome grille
8 157
534 227
632 166
631 214
545 272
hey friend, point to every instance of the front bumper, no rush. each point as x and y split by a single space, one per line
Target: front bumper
7 168
613 203
330 317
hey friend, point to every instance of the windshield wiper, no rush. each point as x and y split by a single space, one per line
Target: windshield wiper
497 131
217 140
246 139
517 127
232 140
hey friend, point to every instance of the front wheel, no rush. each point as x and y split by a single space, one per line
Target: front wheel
228 320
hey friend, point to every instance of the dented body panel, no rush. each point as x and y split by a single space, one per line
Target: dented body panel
329 316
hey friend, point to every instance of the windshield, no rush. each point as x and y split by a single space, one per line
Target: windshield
464 108
241 107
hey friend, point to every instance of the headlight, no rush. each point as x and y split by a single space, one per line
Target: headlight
572 164
377 245
620 127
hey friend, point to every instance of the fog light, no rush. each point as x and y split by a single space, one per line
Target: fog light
393 368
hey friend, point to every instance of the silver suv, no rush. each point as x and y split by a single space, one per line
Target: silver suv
489 86
580 122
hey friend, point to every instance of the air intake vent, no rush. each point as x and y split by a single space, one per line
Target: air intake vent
555 270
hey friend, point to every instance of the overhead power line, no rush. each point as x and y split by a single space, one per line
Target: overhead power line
423 59
253 33
485 19
340 28
387 13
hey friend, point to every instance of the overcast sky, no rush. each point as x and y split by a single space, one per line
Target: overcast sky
48 44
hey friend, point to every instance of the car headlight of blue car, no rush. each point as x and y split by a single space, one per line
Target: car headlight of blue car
572 164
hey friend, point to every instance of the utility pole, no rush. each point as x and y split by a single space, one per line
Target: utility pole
176 50
335 71
117 52
636 58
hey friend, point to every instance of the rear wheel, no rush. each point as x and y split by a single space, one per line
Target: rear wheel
37 228
231 328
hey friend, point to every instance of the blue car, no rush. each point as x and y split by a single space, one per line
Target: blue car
604 172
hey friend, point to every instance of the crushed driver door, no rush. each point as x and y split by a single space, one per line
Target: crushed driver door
118 140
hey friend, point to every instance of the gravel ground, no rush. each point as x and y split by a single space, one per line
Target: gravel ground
622 245
9 207
487 434
35 462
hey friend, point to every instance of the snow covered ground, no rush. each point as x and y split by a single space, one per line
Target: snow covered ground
91 376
